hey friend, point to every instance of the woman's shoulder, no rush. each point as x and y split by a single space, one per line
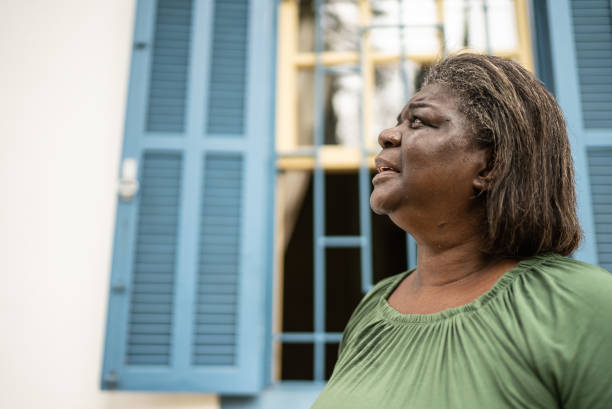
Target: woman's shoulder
565 306
563 288
584 278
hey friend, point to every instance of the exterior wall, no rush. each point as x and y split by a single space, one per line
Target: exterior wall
63 74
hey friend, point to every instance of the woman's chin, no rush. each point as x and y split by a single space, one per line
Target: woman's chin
380 203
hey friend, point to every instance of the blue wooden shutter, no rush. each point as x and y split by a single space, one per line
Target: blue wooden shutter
192 248
593 40
600 166
592 29
581 40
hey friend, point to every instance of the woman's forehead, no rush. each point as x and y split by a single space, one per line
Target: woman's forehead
436 96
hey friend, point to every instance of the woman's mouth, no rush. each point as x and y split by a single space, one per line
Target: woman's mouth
383 172
382 169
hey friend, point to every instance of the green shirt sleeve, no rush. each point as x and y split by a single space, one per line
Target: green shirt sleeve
589 384
586 361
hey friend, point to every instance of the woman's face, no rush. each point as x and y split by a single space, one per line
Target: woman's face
429 165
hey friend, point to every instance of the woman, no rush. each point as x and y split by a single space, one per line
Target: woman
478 170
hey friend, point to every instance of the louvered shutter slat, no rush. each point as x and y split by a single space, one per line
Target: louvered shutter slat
164 199
600 168
171 56
592 24
229 50
216 303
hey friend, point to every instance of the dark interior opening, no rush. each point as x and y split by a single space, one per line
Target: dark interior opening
343 267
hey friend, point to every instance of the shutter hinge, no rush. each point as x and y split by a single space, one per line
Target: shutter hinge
118 287
128 184
111 380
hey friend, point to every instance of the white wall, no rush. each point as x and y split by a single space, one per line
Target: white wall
63 80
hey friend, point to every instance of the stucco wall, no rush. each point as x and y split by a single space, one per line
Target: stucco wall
63 81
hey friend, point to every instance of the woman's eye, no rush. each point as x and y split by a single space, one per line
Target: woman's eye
416 123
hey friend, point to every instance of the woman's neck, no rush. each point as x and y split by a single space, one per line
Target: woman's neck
452 264
448 276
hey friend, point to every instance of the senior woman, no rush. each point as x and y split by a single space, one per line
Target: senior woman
478 169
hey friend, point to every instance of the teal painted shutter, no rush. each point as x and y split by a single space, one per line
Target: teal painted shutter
149 330
592 29
187 306
593 39
600 166
583 78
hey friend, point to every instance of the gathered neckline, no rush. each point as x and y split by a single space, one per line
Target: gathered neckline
388 313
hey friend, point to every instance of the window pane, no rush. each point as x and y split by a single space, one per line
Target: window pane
340 110
339 22
419 39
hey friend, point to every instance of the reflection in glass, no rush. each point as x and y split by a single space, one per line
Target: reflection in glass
464 26
341 108
339 21
421 38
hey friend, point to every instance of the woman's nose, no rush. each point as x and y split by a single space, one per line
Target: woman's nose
390 138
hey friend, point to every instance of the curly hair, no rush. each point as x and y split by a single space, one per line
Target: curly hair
530 199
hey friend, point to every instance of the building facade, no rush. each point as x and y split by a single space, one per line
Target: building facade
233 271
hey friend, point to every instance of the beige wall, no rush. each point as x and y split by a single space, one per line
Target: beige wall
63 81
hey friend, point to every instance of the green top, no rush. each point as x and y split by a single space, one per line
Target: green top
541 337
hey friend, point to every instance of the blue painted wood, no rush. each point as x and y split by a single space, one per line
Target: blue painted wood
600 167
229 69
294 395
592 26
309 337
219 269
568 94
319 198
540 27
599 137
188 310
171 55
153 272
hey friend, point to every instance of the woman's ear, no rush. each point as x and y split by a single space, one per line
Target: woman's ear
484 177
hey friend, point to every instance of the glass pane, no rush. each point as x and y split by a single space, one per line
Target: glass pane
341 26
502 25
306 26
421 39
464 24
341 108
339 22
